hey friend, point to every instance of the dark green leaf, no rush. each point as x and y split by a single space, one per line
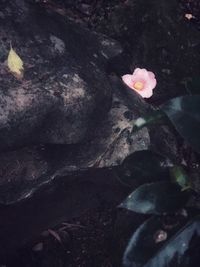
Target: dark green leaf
180 250
142 245
193 84
184 113
144 166
179 176
148 239
156 198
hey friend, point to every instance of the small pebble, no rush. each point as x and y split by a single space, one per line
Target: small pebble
38 247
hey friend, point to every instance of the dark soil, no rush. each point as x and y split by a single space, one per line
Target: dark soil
97 238
92 240
92 12
192 7
85 241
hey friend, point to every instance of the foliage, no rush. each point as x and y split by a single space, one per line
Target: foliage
165 195
156 198
184 113
172 250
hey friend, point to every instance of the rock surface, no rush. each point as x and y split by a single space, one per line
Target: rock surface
64 88
25 170
61 118
66 124
66 114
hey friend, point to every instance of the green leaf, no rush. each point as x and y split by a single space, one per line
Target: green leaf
143 167
155 245
156 198
192 84
184 113
182 250
153 117
179 176
142 246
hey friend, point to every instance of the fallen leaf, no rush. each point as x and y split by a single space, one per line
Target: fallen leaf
15 64
55 235
38 247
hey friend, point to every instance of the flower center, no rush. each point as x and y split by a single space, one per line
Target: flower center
138 86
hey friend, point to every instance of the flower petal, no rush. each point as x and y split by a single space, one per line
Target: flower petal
151 74
127 79
146 93
147 78
140 73
152 83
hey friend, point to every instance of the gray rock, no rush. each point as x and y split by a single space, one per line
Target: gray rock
66 114
64 87
24 171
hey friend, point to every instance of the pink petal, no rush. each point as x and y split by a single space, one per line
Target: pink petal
140 73
151 74
146 93
151 83
127 79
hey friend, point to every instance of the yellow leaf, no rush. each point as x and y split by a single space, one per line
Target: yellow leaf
15 64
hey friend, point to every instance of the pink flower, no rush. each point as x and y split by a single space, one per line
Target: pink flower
142 81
